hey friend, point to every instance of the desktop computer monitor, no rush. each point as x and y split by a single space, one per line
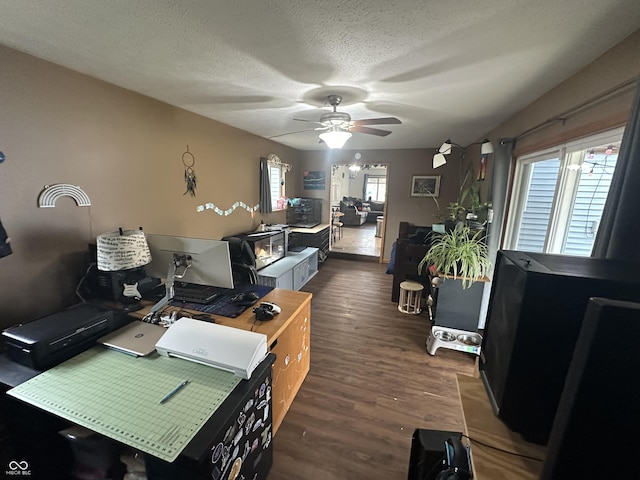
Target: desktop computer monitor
210 259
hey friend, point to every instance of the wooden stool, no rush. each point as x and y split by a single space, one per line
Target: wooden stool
410 293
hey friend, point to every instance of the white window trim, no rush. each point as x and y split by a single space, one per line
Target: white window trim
564 195
273 161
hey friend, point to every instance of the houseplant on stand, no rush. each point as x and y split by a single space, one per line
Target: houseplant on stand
459 262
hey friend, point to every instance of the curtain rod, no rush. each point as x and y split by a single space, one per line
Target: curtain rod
563 115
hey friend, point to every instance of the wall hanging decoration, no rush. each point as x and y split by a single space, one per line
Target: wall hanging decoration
189 161
314 180
229 211
51 193
5 242
425 186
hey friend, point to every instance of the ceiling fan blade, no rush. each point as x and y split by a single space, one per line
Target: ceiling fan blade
370 131
308 121
378 121
291 133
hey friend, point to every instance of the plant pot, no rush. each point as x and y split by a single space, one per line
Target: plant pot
458 307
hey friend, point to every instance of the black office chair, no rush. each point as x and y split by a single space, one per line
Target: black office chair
243 261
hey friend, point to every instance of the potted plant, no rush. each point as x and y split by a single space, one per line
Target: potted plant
460 253
459 259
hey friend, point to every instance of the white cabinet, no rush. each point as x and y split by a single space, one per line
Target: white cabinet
292 271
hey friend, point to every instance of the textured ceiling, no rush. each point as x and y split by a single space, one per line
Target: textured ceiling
445 68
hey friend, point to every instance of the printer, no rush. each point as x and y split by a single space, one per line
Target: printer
227 348
50 340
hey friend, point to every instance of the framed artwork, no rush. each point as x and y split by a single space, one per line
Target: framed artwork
425 185
314 180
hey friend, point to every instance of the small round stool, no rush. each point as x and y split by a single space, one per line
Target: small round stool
410 293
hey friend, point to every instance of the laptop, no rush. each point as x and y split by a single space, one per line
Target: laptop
137 338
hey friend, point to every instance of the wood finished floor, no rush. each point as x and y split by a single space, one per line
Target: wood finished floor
371 382
358 240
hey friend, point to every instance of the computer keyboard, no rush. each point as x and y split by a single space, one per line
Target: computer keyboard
194 293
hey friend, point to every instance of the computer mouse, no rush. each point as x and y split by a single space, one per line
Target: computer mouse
245 298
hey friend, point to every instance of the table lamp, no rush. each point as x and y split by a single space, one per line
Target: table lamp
124 251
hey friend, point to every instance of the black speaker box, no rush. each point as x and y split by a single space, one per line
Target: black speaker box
428 453
535 312
594 433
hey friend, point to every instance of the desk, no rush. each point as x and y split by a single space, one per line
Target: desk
243 417
288 336
484 426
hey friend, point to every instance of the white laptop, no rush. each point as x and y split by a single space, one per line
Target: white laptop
137 338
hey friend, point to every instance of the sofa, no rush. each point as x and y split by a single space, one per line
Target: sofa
373 209
353 214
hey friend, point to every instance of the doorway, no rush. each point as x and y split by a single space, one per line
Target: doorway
358 200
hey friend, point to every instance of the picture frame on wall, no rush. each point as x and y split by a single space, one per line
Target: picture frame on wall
425 185
313 180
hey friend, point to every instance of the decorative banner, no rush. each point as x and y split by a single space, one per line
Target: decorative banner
51 193
229 211
314 180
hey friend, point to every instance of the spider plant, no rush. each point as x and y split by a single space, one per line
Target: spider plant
459 253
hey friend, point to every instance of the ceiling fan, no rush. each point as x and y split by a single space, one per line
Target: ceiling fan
337 126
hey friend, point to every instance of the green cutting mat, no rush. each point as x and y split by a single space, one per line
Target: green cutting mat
119 395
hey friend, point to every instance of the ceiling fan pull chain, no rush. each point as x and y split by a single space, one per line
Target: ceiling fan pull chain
188 160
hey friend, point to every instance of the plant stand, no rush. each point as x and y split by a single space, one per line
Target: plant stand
457 307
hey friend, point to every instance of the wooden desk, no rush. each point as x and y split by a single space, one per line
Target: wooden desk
288 336
483 425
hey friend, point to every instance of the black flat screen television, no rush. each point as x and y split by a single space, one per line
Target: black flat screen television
598 414
535 312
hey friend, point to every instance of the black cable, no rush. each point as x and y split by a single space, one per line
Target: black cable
593 195
473 440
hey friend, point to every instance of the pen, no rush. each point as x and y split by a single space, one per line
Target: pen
174 391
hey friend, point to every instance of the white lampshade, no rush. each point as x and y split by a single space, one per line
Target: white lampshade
122 250
335 138
438 160
445 148
486 148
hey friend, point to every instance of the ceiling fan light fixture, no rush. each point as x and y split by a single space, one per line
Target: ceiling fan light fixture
335 138
439 160
487 147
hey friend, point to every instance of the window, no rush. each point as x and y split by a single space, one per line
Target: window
277 171
559 195
375 187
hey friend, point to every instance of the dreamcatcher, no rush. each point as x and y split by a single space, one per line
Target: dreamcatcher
188 160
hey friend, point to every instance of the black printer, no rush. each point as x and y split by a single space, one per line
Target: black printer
50 340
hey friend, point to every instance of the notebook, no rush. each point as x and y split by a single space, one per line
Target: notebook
137 338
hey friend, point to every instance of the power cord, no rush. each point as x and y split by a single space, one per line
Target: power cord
473 440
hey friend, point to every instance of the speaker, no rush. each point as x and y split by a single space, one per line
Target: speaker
535 312
428 453
595 430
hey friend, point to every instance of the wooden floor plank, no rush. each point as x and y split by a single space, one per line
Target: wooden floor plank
370 385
